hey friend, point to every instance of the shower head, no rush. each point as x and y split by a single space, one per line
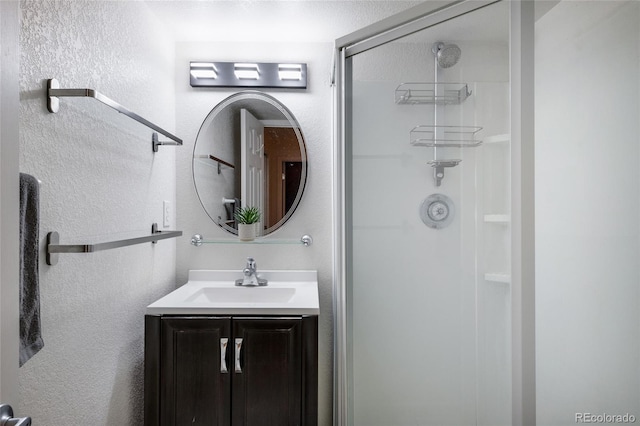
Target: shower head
447 55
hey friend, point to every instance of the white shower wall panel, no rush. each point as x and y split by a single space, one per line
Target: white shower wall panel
430 337
414 291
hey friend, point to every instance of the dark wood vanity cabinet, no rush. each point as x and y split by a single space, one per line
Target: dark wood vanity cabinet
230 371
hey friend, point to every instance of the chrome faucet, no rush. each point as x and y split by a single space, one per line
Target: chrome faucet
251 275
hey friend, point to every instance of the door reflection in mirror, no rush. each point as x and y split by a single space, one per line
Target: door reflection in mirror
250 152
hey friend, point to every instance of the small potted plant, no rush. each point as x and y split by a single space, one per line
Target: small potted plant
248 218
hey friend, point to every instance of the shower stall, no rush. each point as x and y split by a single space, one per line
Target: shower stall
425 294
488 245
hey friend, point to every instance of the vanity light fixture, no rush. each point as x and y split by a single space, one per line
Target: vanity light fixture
248 74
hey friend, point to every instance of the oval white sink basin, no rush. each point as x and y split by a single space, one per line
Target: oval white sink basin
215 292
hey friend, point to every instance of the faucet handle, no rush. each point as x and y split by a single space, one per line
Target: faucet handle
250 269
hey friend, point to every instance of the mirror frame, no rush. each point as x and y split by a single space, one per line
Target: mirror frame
295 125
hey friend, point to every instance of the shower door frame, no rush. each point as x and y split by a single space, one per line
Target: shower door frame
521 51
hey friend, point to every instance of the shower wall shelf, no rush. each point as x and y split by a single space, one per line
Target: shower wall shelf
53 105
306 240
445 136
438 136
497 218
53 247
498 278
431 93
495 232
497 139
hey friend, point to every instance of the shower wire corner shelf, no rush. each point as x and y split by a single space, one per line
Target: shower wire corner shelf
445 136
444 163
431 93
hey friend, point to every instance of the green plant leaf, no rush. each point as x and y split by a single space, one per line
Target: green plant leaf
247 215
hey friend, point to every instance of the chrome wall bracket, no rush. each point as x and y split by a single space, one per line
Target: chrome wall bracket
53 103
197 240
439 166
155 143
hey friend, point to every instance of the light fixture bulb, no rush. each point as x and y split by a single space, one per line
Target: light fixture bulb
290 72
204 70
246 71
204 74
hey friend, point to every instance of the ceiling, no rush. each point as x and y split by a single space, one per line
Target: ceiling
487 25
270 20
310 20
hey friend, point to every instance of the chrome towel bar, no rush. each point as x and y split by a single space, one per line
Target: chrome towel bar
53 105
54 247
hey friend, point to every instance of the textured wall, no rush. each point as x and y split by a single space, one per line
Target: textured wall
99 178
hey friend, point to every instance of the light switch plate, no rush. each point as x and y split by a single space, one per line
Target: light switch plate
166 214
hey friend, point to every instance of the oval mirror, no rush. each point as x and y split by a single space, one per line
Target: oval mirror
250 152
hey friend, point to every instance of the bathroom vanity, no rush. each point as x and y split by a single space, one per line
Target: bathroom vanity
219 354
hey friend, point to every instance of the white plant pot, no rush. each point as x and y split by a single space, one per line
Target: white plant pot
247 232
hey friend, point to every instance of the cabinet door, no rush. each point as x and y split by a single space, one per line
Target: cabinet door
196 388
267 378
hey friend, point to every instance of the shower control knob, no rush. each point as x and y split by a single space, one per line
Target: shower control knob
438 211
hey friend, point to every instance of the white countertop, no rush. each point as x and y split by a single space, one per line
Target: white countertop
213 292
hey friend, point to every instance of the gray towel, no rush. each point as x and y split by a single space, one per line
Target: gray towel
30 329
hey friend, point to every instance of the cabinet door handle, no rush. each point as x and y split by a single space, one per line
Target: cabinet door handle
238 349
223 354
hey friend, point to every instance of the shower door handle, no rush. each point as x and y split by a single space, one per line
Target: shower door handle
7 419
223 354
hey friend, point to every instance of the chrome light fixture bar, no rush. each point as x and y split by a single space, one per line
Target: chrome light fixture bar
248 74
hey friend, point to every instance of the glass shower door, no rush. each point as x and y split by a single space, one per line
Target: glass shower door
428 226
